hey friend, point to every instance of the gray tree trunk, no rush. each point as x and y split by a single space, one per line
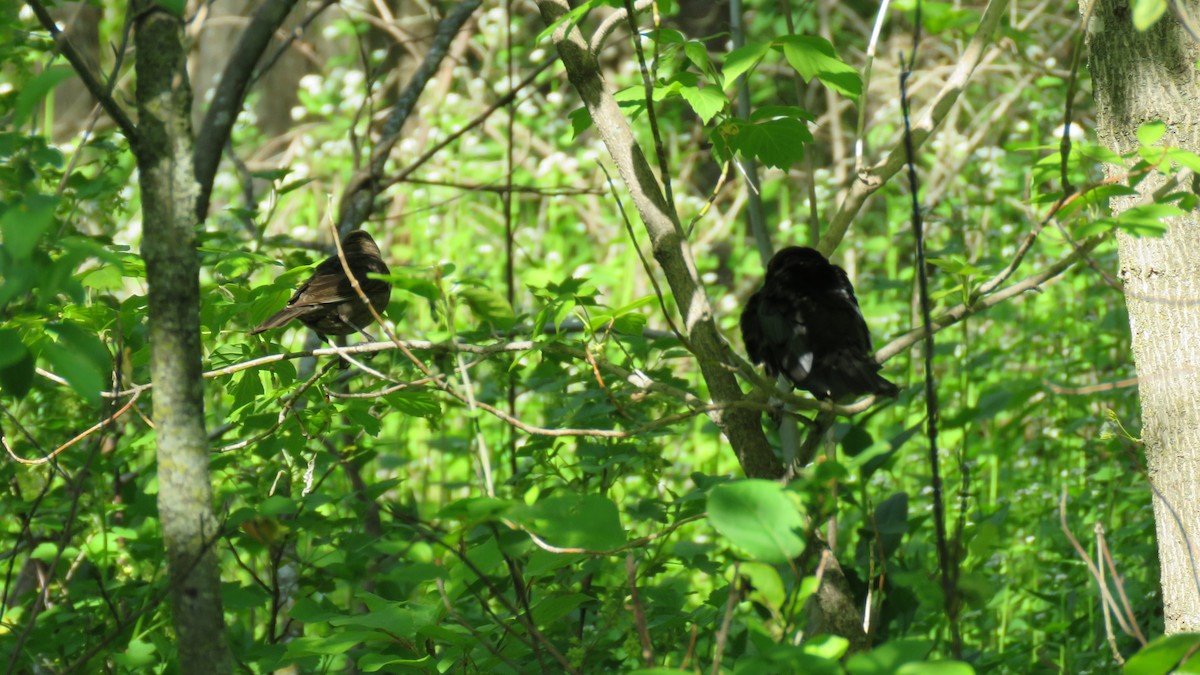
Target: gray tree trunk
1139 77
164 148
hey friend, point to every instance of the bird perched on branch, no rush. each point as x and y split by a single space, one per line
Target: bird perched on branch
327 303
804 324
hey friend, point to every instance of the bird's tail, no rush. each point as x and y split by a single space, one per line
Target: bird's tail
278 319
862 375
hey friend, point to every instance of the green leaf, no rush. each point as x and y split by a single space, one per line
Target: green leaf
767 586
138 655
472 510
37 89
1163 655
581 121
697 53
415 403
742 59
706 101
814 56
175 7
332 645
777 143
1146 13
80 358
17 378
575 521
758 517
936 668
889 656
24 223
571 18
12 349
489 306
1150 132
1184 158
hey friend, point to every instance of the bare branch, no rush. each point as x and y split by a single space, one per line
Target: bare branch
231 94
869 181
84 70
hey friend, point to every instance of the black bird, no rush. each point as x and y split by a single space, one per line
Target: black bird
804 324
327 303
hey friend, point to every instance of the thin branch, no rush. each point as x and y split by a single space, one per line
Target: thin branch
231 94
84 70
871 180
358 199
639 613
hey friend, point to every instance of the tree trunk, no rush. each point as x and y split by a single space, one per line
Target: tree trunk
1140 77
164 156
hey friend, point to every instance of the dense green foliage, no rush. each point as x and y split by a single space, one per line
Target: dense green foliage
392 526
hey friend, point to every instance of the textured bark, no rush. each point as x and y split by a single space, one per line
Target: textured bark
169 190
1141 77
742 427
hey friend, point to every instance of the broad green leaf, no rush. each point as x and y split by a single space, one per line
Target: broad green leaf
333 644
475 509
697 53
12 349
24 223
35 90
1146 13
581 121
556 607
1163 655
80 358
415 403
1150 132
489 306
706 101
138 655
936 668
814 57
827 646
17 377
575 521
175 7
742 59
777 143
758 517
767 586
1184 158
889 656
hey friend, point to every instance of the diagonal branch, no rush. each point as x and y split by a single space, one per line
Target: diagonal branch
871 180
231 94
84 70
359 196
670 247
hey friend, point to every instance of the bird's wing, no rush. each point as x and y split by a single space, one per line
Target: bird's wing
842 321
784 319
329 285
752 332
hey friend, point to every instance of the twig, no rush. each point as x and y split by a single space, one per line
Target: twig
639 614
231 94
727 619
84 70
869 181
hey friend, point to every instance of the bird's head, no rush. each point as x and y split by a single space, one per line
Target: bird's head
360 242
794 257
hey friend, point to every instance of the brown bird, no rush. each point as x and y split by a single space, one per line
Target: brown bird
327 303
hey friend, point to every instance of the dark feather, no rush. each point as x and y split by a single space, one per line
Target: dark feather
327 302
804 324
